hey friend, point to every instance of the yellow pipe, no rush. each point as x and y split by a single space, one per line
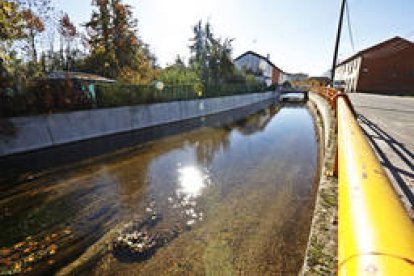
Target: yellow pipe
375 234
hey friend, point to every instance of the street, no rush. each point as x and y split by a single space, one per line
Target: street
389 124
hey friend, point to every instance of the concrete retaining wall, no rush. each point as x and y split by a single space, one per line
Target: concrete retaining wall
321 255
326 114
37 132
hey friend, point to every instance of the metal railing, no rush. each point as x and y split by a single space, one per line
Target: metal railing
375 233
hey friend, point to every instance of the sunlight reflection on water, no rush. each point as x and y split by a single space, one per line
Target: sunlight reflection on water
191 181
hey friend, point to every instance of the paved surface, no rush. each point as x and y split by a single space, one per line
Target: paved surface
389 124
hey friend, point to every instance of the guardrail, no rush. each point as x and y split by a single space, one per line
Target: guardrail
375 233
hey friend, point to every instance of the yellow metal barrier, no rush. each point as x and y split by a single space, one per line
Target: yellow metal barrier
375 234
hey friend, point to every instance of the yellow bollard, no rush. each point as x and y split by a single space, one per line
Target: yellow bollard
375 234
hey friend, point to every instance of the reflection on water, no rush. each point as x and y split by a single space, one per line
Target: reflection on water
229 199
191 181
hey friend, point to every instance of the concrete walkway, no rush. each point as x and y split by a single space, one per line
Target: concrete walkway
388 122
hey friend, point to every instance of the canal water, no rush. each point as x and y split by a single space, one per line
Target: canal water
218 200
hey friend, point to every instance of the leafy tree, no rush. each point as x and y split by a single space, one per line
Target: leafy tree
35 14
11 23
199 51
99 39
210 56
18 22
69 33
225 58
115 49
179 62
34 26
125 41
11 28
177 74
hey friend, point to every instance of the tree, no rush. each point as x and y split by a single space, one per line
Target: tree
199 51
179 62
125 41
35 14
68 31
34 26
99 39
11 23
223 59
177 74
115 49
209 55
11 28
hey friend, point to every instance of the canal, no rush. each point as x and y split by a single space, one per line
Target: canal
233 198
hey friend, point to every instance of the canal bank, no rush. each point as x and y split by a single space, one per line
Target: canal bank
234 197
35 143
37 132
321 252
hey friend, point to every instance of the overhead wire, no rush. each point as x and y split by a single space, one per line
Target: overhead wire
348 19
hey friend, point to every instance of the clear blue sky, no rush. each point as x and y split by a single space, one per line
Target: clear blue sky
298 34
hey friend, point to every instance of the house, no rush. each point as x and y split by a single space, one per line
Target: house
318 81
297 79
66 90
387 67
259 66
80 76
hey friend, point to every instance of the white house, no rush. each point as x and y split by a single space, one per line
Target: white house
289 77
260 66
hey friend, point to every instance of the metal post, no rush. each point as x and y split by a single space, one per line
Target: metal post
338 39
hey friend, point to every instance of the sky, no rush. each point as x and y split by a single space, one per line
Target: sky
299 35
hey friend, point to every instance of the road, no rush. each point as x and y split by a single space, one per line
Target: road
389 124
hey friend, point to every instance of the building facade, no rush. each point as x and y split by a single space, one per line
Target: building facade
387 67
294 79
316 82
261 67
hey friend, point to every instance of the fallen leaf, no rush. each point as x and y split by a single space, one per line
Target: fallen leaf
4 252
51 262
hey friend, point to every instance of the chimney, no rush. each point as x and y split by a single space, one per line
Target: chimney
268 56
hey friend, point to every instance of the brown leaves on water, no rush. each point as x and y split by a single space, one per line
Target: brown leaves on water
51 262
22 256
52 249
5 252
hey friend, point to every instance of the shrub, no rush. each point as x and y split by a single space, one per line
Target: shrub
52 97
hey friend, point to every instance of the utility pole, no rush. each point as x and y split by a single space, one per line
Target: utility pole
338 39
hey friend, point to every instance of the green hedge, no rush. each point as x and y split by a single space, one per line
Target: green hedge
109 95
15 106
229 89
113 95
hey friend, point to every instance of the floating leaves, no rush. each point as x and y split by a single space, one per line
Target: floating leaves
24 255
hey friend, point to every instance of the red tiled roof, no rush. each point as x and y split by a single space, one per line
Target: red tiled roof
393 44
261 57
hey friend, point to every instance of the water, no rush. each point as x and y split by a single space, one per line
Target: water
230 199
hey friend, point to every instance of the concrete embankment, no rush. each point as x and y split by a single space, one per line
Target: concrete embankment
36 132
321 257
